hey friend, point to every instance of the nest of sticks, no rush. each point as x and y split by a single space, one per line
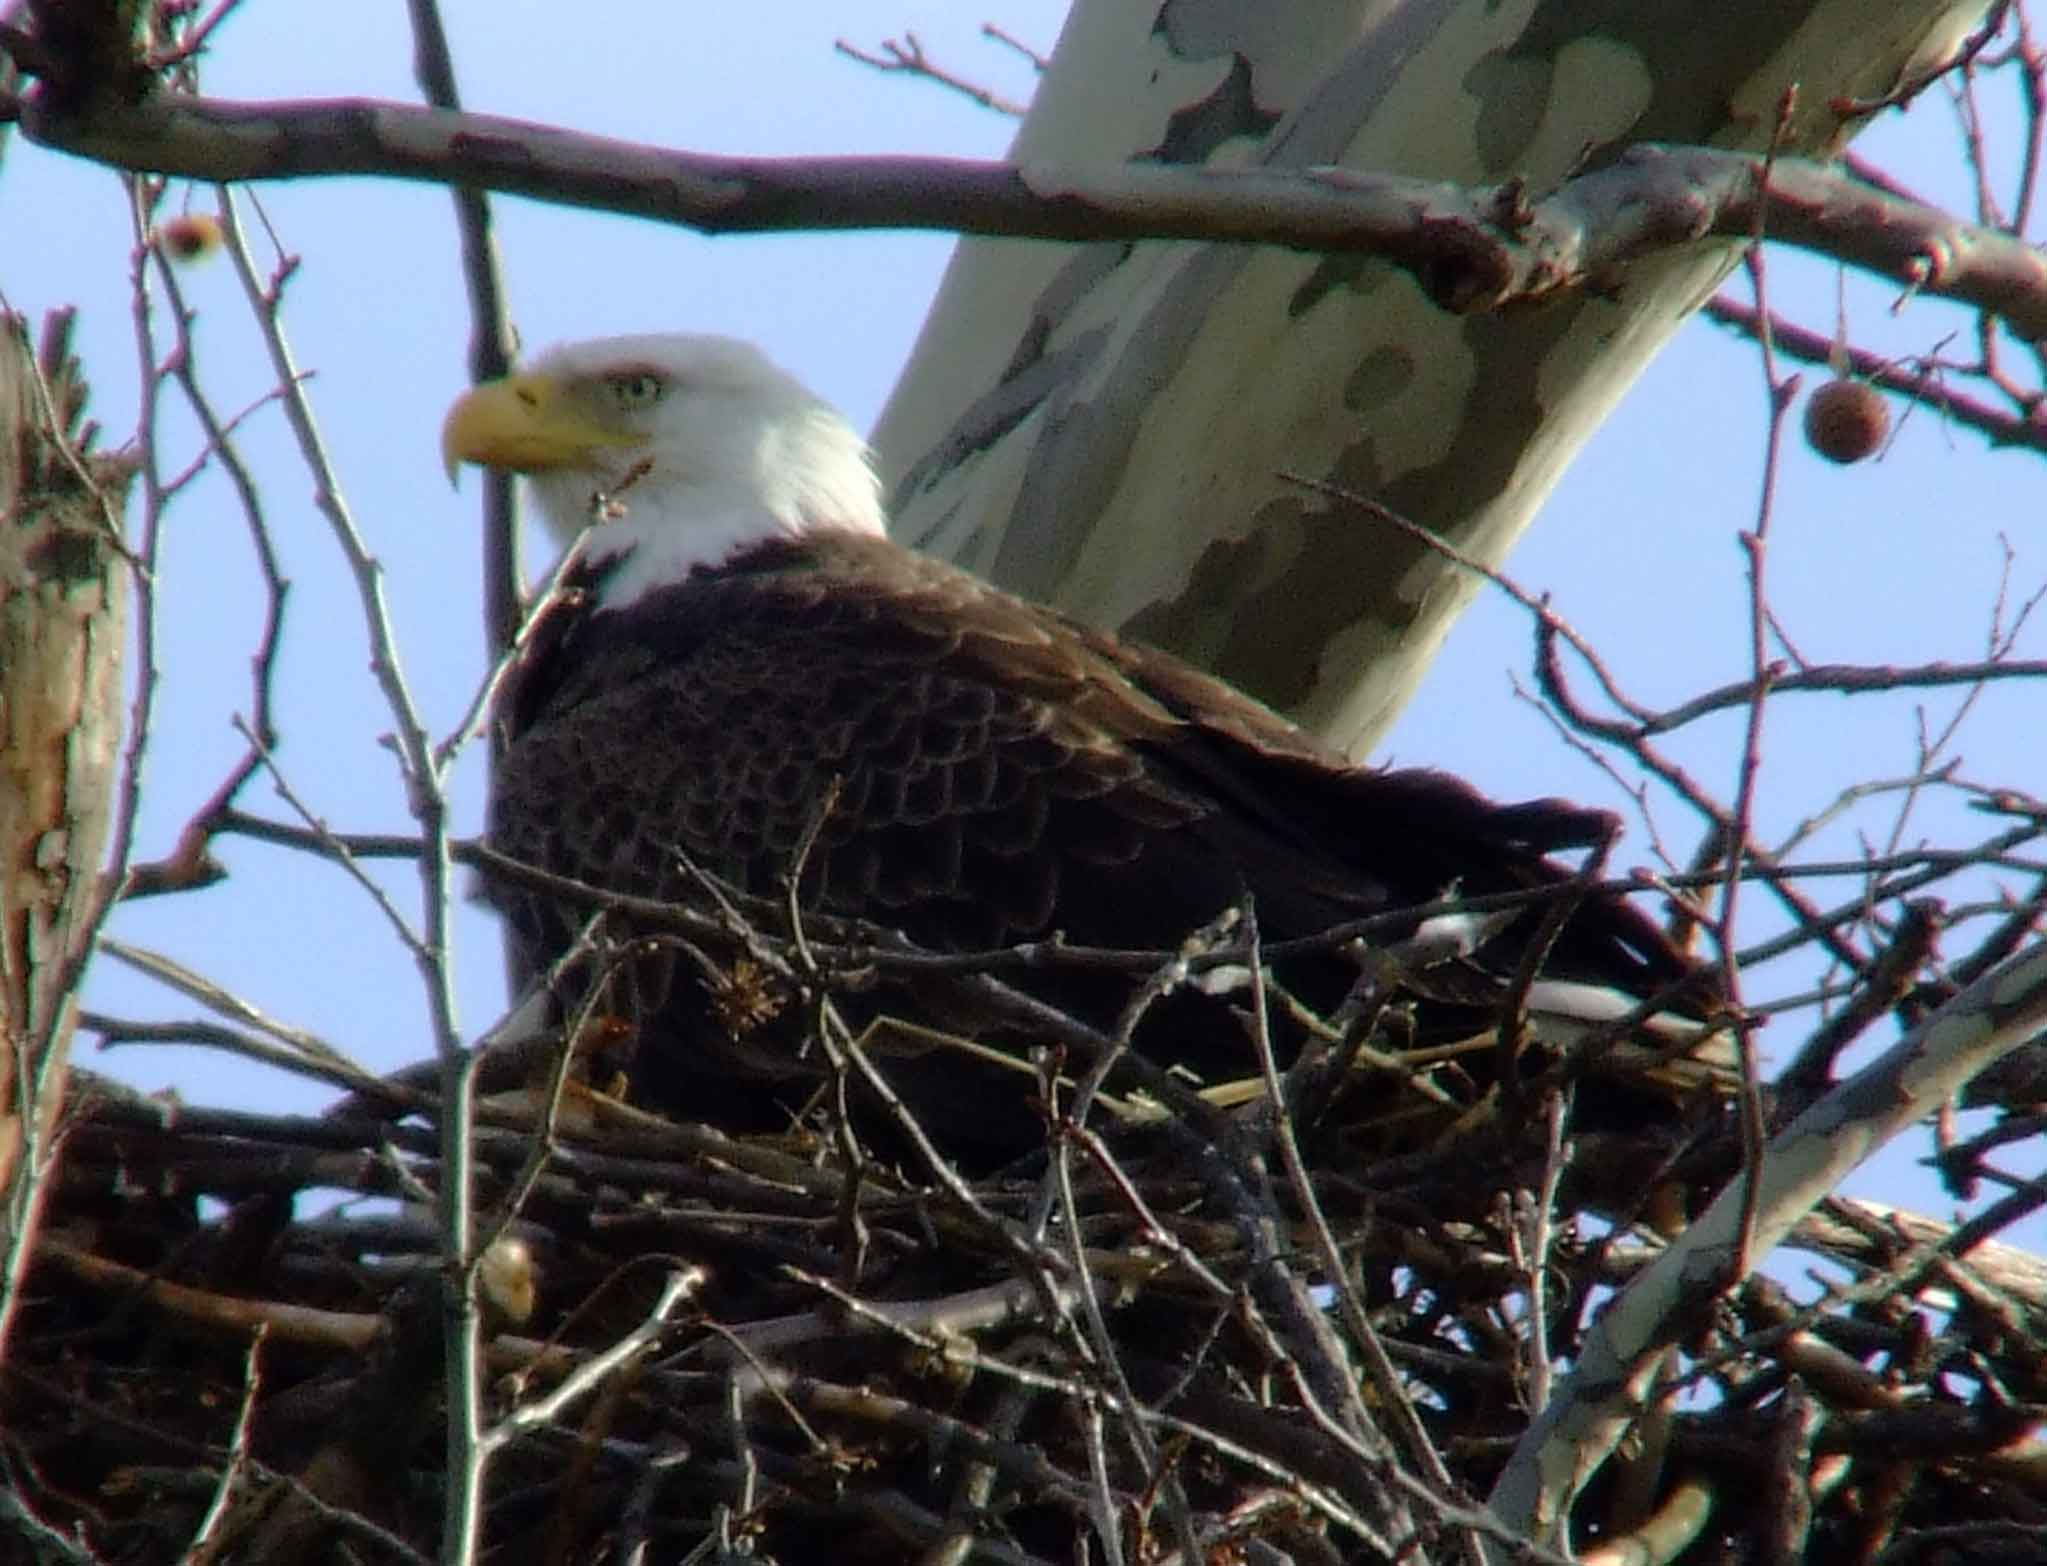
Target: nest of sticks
1218 1334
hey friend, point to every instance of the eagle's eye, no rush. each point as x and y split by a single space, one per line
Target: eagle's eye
632 390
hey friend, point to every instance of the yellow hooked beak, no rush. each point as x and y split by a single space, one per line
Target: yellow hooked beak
527 424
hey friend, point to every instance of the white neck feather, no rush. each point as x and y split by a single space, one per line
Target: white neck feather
693 507
660 547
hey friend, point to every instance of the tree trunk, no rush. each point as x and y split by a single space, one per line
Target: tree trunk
63 613
1129 409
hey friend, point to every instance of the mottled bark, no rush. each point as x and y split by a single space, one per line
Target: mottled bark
63 600
1128 408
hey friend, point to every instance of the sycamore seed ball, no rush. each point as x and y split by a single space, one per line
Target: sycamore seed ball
1846 420
191 236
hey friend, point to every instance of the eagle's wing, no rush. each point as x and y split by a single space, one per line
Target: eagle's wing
994 772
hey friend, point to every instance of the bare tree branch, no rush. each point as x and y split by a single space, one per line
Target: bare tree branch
907 58
1569 1440
1470 249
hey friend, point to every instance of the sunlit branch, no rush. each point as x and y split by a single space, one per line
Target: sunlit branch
1567 1443
1470 249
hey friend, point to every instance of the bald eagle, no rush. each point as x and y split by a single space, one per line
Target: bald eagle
745 657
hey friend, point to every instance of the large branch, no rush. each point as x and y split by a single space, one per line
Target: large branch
1468 249
1802 1164
1105 428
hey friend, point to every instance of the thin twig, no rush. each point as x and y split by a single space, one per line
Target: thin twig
237 1452
680 1283
423 780
907 58
1412 1435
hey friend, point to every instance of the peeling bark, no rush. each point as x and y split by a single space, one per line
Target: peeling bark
1129 407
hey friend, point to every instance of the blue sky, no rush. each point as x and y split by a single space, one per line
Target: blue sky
1894 560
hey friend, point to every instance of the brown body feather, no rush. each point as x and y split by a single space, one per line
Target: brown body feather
1001 774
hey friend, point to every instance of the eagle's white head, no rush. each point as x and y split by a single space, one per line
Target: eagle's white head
687 449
